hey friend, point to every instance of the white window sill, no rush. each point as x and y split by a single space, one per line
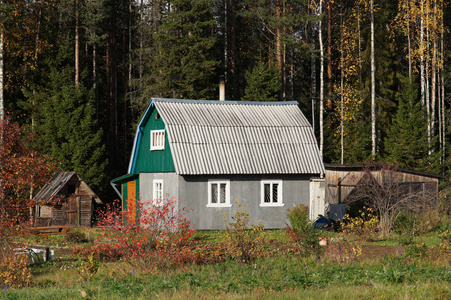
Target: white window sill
219 205
271 204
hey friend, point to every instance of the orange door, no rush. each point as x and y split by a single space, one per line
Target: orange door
131 202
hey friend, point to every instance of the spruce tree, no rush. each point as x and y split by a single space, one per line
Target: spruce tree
66 127
357 141
181 62
262 83
407 139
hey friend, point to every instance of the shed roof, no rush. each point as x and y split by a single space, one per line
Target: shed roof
58 181
236 137
377 166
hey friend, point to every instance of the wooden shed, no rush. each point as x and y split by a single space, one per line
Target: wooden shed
343 180
65 200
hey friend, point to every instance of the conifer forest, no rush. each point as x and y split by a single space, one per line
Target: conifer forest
372 76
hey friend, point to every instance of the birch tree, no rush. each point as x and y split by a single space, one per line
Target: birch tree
349 101
373 85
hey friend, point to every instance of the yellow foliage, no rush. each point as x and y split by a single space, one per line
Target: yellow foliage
14 271
364 226
348 247
89 267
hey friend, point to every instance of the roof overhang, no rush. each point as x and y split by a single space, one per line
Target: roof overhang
116 183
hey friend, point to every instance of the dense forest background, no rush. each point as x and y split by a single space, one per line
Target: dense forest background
373 78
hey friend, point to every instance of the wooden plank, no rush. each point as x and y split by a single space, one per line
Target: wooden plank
47 230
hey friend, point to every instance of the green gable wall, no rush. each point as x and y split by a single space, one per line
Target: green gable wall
157 160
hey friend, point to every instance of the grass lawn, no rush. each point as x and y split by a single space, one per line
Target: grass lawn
279 277
385 274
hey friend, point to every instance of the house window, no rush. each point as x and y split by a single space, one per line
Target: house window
157 139
219 193
158 192
271 193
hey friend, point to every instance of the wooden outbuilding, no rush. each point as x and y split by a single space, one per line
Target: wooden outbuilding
344 181
65 200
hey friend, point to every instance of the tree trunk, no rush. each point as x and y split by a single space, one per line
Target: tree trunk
329 55
2 101
360 53
422 82
442 79
434 74
427 89
111 96
313 77
279 46
342 91
226 35
373 86
433 87
77 43
233 59
321 82
141 38
409 47
94 81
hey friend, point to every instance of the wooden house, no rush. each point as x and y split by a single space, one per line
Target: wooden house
65 200
207 154
344 181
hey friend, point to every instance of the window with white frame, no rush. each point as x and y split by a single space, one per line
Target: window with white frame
219 193
157 139
158 192
271 193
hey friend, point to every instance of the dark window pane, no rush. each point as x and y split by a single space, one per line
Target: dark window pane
214 193
267 189
223 193
275 189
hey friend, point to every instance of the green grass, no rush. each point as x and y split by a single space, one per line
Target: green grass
431 239
278 277
285 276
218 236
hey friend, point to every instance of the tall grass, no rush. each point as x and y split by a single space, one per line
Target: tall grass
272 277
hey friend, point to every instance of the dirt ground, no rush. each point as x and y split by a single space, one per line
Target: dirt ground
374 251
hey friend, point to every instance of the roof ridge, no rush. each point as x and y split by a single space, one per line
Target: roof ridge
226 102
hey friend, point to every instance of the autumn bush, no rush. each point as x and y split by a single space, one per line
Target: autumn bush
159 237
356 230
245 242
23 171
363 226
301 231
14 271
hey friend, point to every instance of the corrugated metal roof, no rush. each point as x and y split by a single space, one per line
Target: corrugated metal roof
58 181
237 137
55 184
